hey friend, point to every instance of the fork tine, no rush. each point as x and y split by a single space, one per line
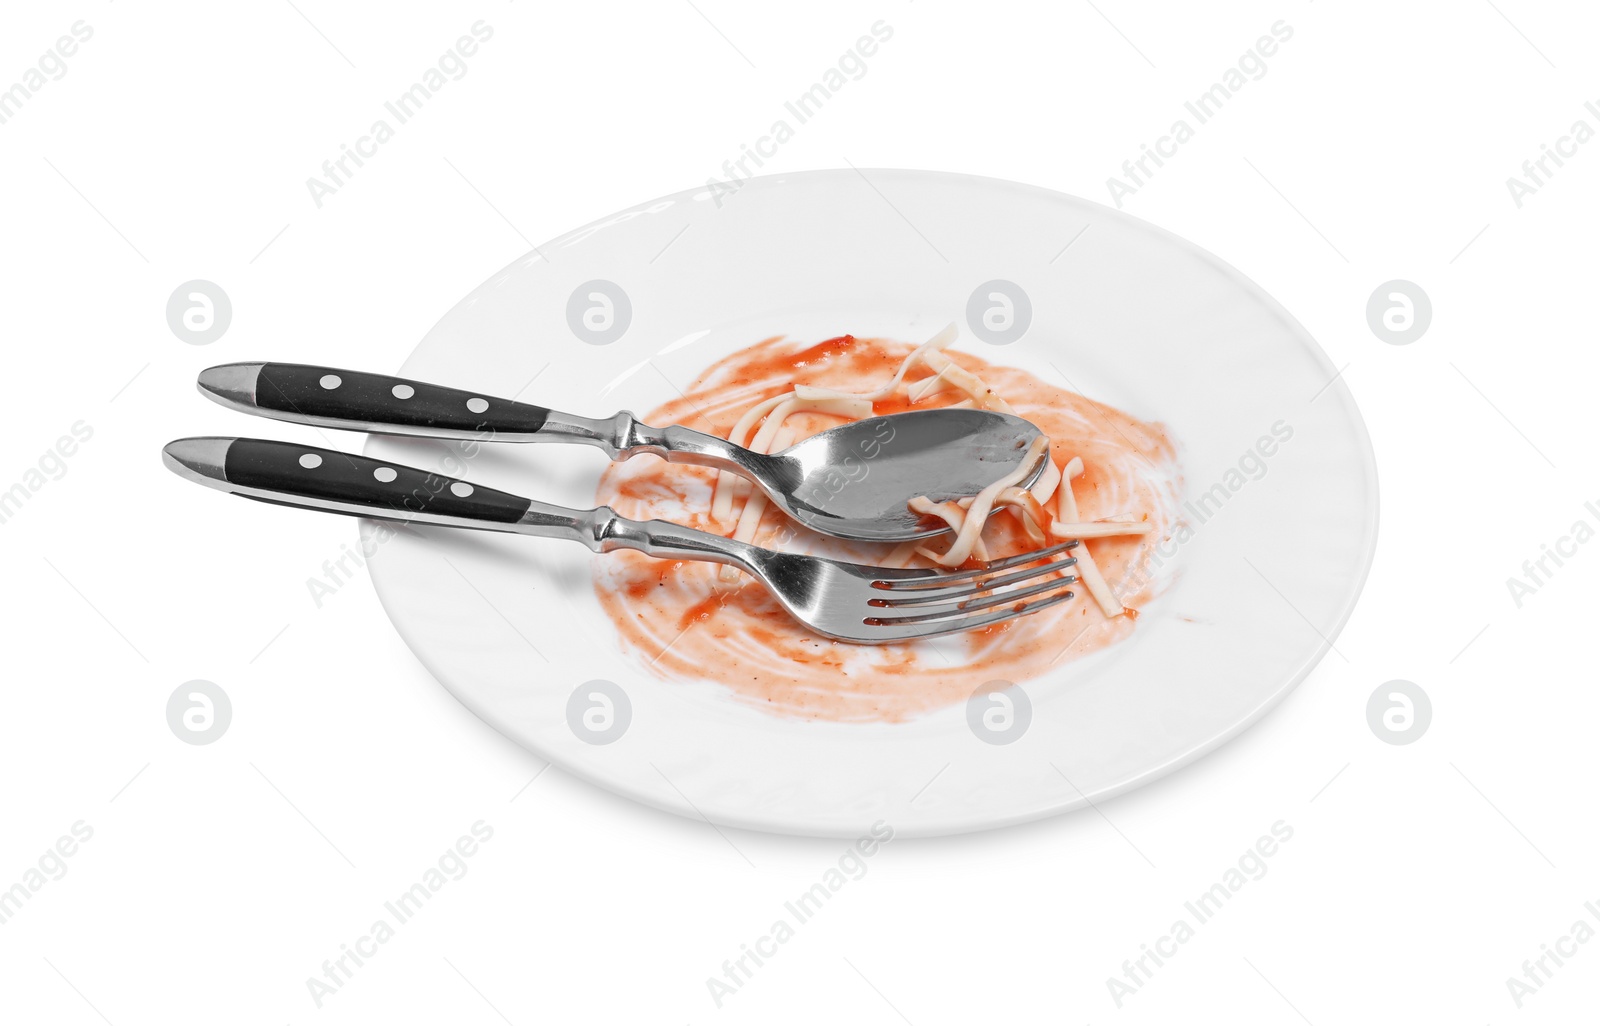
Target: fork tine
926 596
940 580
967 623
1010 598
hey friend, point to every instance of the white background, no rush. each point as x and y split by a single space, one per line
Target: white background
220 877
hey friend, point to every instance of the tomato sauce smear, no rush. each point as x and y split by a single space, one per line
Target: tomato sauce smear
683 623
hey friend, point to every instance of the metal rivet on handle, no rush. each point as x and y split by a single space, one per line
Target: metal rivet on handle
403 391
385 474
311 461
460 489
477 405
330 381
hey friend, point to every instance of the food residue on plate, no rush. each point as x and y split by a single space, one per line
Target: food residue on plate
697 621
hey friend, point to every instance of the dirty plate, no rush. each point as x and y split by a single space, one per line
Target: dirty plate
625 312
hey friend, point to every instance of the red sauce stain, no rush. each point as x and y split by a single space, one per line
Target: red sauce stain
824 350
685 624
702 610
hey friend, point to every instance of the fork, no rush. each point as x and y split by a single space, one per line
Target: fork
847 601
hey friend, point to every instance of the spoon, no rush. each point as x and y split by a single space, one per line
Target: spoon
851 481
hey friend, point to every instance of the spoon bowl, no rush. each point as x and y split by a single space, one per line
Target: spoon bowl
853 481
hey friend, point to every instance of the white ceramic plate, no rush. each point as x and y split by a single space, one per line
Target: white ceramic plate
1136 317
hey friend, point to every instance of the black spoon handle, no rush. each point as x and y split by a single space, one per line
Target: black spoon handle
355 400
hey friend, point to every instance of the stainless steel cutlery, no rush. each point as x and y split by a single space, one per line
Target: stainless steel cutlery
852 481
